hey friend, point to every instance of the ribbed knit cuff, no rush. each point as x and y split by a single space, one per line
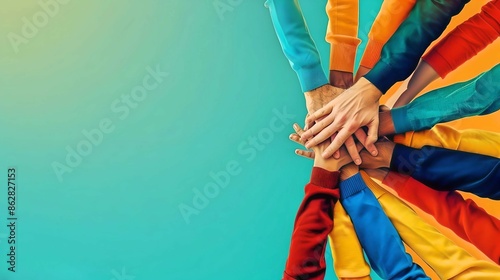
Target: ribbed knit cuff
371 55
400 160
342 57
381 76
437 62
312 78
324 178
400 119
351 186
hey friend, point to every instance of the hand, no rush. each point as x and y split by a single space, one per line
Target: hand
330 164
341 79
383 159
348 171
317 98
378 173
356 107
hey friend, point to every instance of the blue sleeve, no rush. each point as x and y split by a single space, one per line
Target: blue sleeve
376 233
448 170
296 43
478 96
400 55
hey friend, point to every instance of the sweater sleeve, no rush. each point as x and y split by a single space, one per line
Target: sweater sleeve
401 54
377 235
466 40
468 140
342 33
447 170
478 96
391 15
296 42
464 217
306 258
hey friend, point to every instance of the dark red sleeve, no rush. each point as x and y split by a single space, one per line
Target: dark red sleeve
464 217
466 40
313 223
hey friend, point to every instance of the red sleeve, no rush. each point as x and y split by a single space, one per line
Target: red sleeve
466 40
464 217
314 221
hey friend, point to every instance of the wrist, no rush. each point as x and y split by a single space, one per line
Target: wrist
386 125
328 164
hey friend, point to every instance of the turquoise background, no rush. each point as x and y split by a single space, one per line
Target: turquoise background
116 214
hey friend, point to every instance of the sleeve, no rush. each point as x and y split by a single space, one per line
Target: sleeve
400 55
377 235
296 42
447 170
348 257
478 96
464 217
468 140
448 260
306 258
466 40
391 15
342 33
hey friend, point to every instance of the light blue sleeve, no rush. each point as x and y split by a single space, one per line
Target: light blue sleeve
378 237
296 42
478 96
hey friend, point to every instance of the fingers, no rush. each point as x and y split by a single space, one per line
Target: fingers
323 134
372 136
297 129
318 126
306 154
362 138
296 138
339 140
352 150
336 155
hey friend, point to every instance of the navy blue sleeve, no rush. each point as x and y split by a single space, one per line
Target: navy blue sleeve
378 237
447 170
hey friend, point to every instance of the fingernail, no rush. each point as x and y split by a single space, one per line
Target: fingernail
374 153
295 126
357 161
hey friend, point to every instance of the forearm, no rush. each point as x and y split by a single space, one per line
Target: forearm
348 259
447 170
464 217
448 260
466 40
424 74
401 53
382 246
296 42
342 34
312 225
469 140
391 15
478 96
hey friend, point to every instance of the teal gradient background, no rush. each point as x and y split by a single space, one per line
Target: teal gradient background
116 214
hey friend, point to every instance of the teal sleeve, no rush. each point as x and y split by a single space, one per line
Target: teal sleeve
478 96
378 237
296 42
400 55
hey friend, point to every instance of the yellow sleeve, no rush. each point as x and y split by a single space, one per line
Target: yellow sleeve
469 140
391 15
448 260
348 258
342 33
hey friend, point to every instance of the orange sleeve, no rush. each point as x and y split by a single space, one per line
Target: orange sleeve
342 33
391 15
466 40
464 217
